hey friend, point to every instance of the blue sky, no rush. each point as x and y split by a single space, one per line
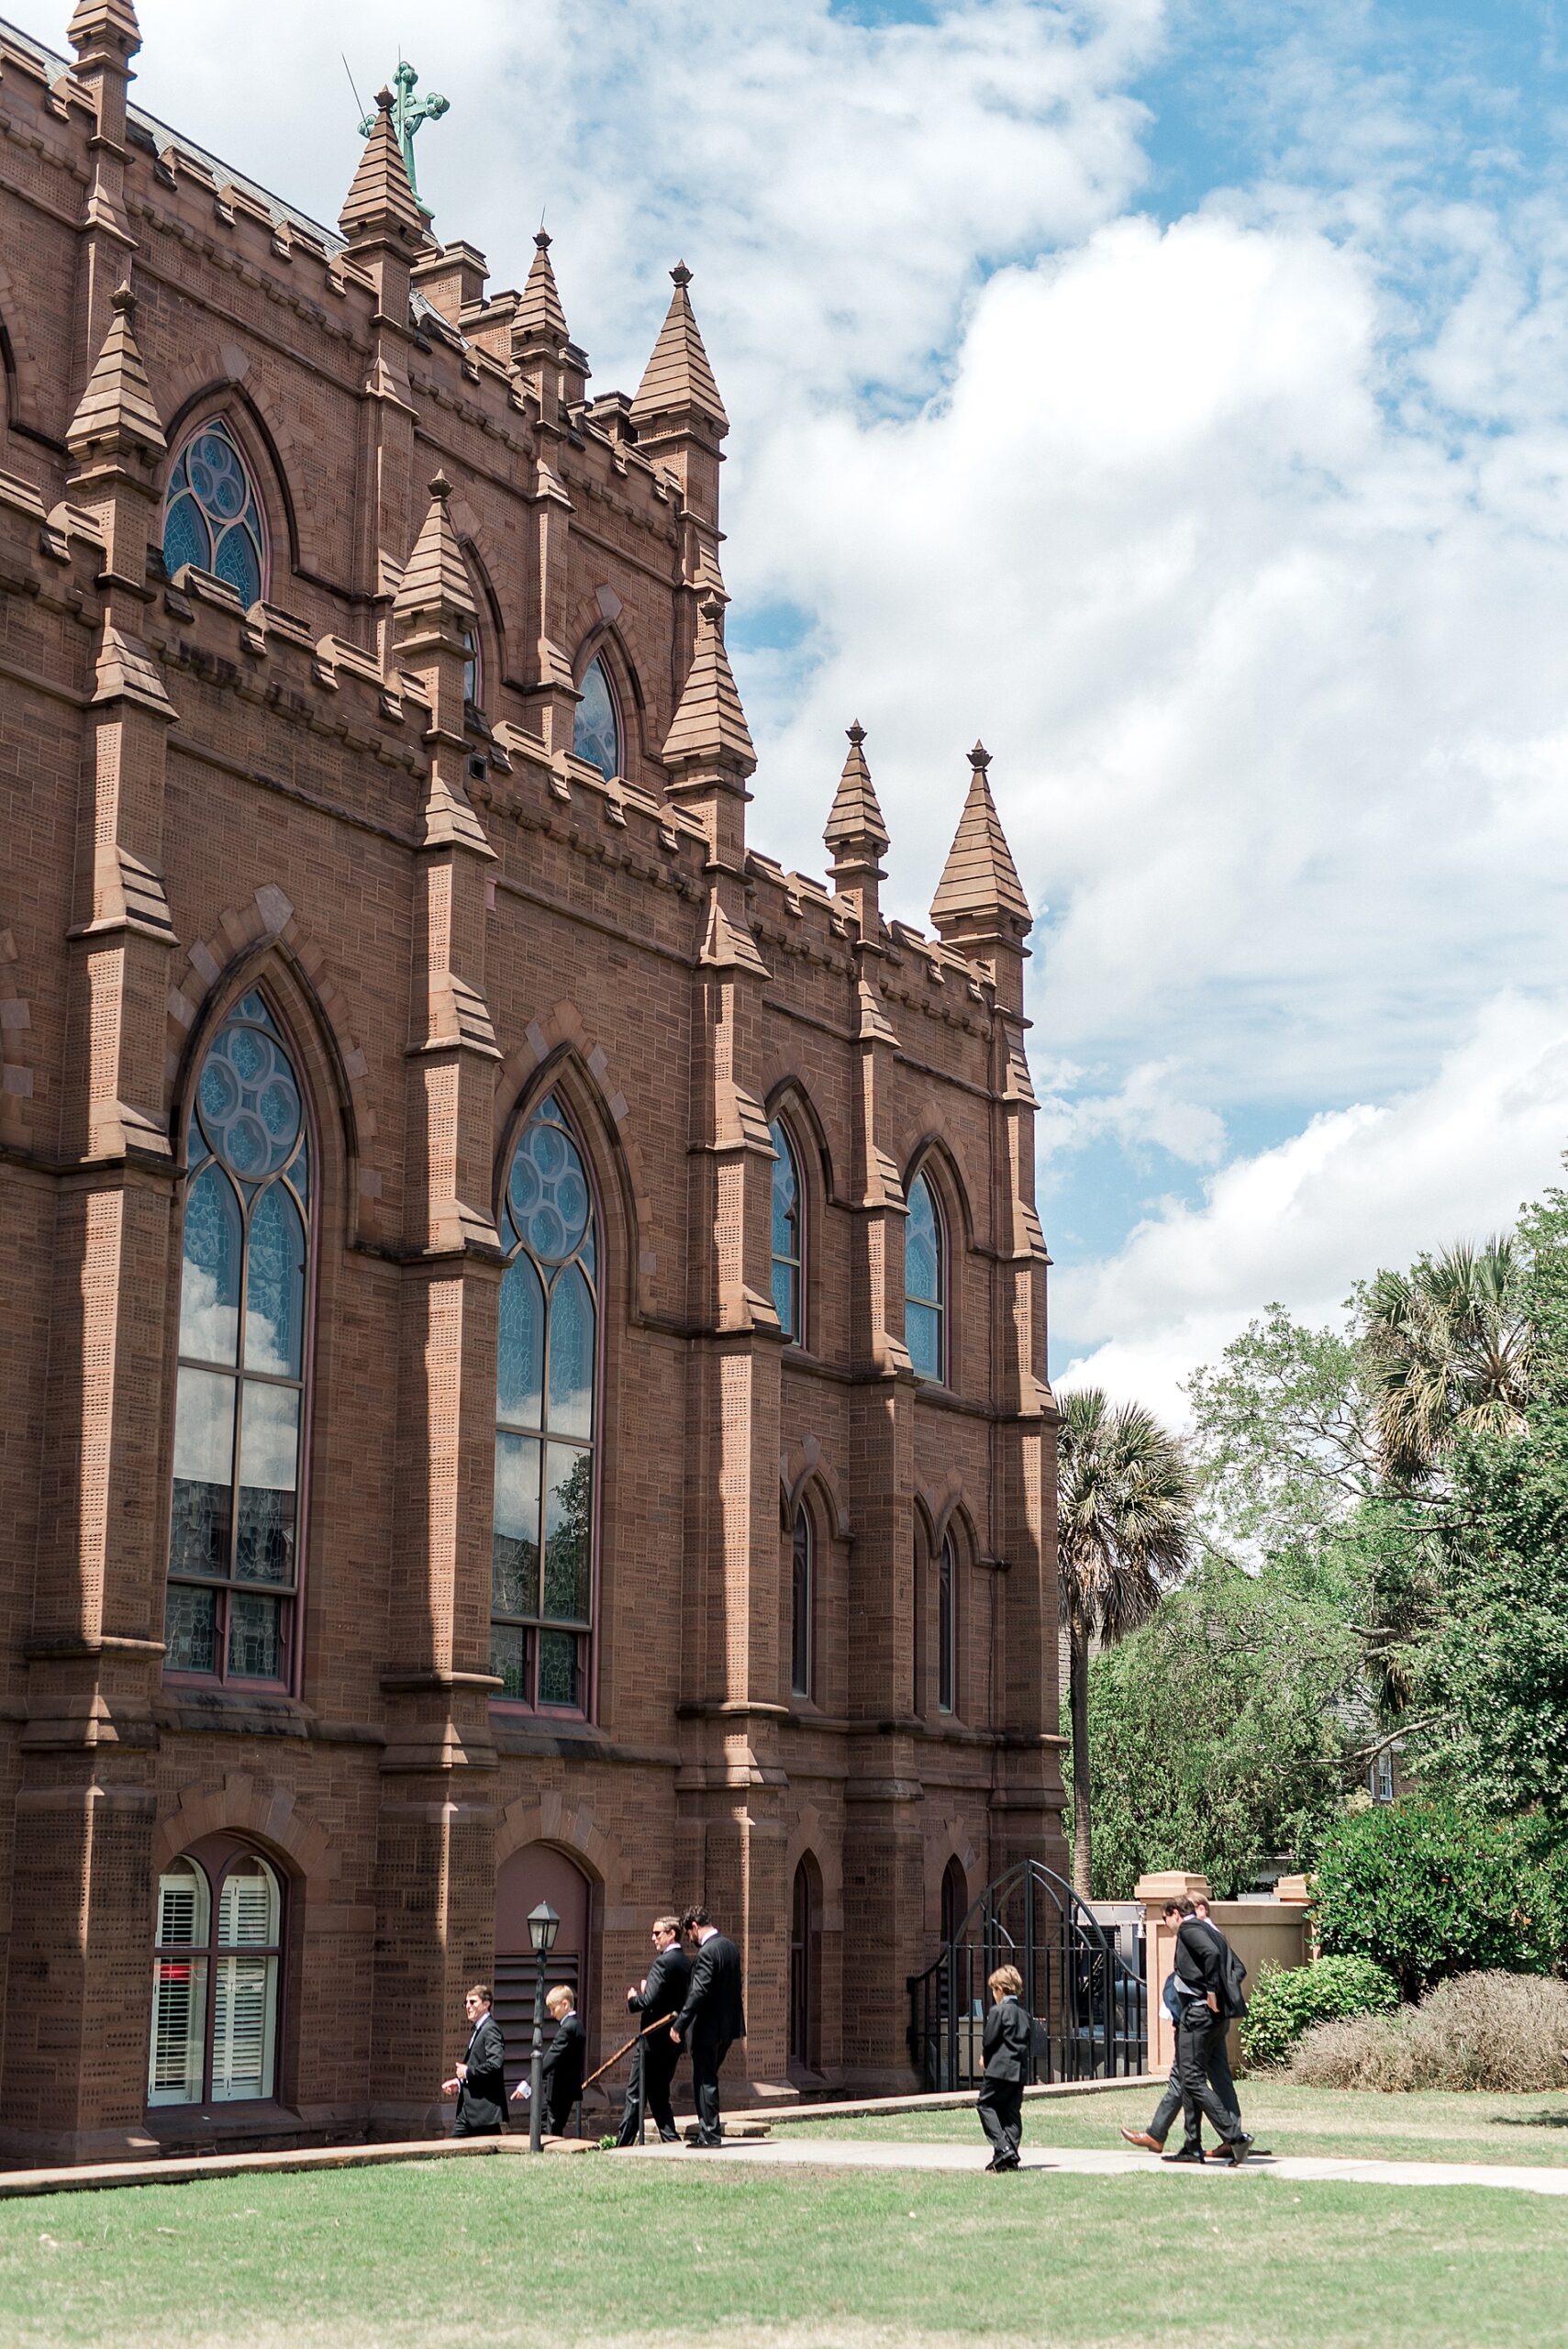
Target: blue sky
1177 395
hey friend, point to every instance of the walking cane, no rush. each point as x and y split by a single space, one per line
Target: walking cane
663 2024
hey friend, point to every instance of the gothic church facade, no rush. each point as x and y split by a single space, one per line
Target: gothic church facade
522 1322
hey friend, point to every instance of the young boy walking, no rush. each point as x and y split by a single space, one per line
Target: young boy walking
1005 2047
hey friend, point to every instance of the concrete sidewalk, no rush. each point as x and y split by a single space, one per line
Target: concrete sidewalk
791 2152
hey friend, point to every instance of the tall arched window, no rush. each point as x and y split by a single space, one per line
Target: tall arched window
802 1606
925 1281
212 516
788 1252
240 1413
473 668
947 1627
955 1899
806 1968
595 734
541 1556
214 1981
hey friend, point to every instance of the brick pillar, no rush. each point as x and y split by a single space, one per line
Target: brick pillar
883 1797
980 908
385 236
731 1834
78 2002
436 1896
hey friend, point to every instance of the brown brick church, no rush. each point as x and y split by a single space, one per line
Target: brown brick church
523 1322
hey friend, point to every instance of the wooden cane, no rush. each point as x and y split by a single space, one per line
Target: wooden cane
663 2024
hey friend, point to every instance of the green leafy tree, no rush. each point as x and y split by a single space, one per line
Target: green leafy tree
1283 1442
1285 1446
1447 1349
1496 1669
1124 1519
1221 1730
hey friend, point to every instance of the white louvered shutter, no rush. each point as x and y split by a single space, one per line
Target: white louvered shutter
246 1987
179 1990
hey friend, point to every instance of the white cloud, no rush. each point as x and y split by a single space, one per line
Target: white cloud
1273 677
1359 1188
836 185
1148 1108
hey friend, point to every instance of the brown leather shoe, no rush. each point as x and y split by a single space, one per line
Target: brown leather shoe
1141 2137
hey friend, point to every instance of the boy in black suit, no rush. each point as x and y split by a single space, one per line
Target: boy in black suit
561 2075
1007 2050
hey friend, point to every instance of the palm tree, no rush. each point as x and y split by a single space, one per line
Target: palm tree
1447 1349
1125 1500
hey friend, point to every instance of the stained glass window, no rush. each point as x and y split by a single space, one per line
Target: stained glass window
925 1280
212 516
546 1403
801 1607
239 1415
215 1983
788 1256
595 735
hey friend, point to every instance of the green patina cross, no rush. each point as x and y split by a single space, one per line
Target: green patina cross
408 114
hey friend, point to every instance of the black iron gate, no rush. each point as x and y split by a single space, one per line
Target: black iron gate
1090 2007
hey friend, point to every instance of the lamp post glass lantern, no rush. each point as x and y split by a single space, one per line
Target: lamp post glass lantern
543 1926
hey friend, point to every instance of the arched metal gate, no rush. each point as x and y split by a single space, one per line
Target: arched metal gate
1089 2005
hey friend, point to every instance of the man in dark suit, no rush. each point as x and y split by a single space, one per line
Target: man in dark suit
660 1999
1005 2047
1232 2005
1201 1989
712 2018
1153 2139
479 2082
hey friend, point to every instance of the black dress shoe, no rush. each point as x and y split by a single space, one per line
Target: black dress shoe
669 2136
1235 2150
1187 2153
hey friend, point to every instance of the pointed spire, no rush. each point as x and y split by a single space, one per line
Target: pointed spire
540 310
855 820
98 22
437 576
677 381
709 724
118 410
380 203
980 877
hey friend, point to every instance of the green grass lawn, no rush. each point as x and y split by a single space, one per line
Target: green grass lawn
509 2253
1429 2125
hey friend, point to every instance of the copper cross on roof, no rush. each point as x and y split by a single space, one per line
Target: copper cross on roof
408 114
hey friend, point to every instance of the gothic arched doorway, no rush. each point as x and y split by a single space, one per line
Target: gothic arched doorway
539 1872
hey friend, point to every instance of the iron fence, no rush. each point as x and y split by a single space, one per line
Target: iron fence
1089 2005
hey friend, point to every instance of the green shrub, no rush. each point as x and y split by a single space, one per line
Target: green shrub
1290 1999
1427 1889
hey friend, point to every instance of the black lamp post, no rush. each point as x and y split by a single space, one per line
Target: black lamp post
543 1926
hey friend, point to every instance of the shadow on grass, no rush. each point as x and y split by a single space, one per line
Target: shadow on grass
1529 2119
